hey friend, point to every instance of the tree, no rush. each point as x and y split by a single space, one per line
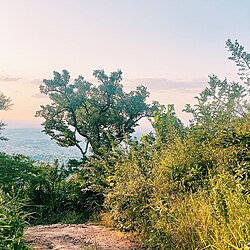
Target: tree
98 115
5 103
242 60
222 101
167 125
219 104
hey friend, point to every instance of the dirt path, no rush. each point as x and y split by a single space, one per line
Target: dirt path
77 236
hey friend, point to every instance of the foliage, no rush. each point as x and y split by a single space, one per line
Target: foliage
94 179
184 195
52 192
178 188
16 173
12 222
167 125
62 193
207 219
5 104
242 60
188 188
218 105
46 193
235 140
98 115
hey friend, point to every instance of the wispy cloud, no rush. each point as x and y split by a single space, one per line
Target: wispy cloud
37 82
38 95
163 84
10 79
153 84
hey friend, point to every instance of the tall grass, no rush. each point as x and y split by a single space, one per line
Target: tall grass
184 196
208 219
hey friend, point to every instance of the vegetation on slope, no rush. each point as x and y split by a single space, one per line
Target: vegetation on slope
179 188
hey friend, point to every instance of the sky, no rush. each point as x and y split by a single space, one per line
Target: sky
170 46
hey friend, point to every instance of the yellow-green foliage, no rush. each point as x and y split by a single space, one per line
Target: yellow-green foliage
213 219
188 195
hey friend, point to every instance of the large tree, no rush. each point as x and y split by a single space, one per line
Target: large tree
97 115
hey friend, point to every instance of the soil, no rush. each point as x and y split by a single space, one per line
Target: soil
77 236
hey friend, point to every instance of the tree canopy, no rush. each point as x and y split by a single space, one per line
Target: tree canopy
97 115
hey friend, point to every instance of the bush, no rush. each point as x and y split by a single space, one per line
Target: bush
188 194
62 192
16 173
207 219
12 222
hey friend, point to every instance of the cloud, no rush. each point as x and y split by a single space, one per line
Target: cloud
37 82
10 79
38 95
153 84
164 84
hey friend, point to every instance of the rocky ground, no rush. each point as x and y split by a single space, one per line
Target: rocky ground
77 236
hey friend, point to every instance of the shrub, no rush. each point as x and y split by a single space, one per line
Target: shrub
210 219
16 173
186 195
12 222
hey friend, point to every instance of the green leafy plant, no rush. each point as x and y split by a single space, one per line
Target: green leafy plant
241 59
12 223
16 173
188 188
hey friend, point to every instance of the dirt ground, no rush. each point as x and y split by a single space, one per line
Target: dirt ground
77 236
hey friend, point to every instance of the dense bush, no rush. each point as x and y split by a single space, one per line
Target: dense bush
210 219
62 193
190 195
188 188
53 192
16 173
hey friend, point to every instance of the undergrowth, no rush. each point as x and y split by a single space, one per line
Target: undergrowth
12 223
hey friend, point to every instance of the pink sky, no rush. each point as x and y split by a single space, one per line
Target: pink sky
169 46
